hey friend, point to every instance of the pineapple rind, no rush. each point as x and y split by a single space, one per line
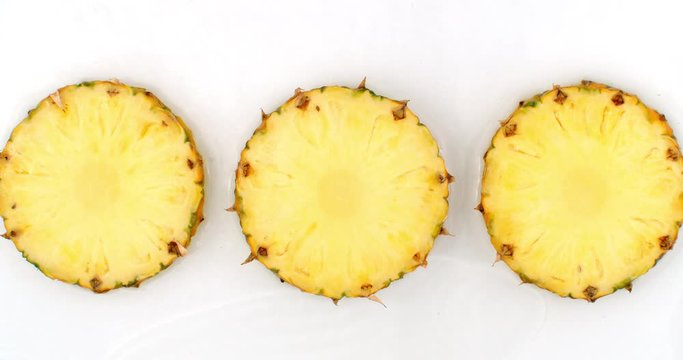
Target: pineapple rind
502 178
319 100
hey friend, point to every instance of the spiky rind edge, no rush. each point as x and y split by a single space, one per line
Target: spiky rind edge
197 214
238 209
590 86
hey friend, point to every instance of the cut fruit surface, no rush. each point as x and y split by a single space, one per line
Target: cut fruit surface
101 186
582 189
341 191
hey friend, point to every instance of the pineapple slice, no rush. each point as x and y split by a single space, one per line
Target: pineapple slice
582 190
101 186
340 192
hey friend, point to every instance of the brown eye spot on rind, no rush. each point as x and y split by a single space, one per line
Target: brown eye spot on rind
95 283
173 248
671 154
262 251
445 178
366 287
618 99
400 112
246 169
303 102
665 242
507 250
190 164
590 292
112 92
560 97
510 130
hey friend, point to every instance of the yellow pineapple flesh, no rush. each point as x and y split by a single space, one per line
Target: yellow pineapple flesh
582 189
101 185
341 191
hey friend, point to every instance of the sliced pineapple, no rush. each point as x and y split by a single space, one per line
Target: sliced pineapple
582 190
340 192
101 186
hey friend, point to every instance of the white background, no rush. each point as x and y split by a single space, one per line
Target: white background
463 64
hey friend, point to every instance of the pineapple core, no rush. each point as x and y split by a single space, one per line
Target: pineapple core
342 194
102 189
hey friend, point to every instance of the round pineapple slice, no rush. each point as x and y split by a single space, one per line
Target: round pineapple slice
340 192
582 190
101 186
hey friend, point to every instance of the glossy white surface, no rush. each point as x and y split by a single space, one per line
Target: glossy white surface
463 64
